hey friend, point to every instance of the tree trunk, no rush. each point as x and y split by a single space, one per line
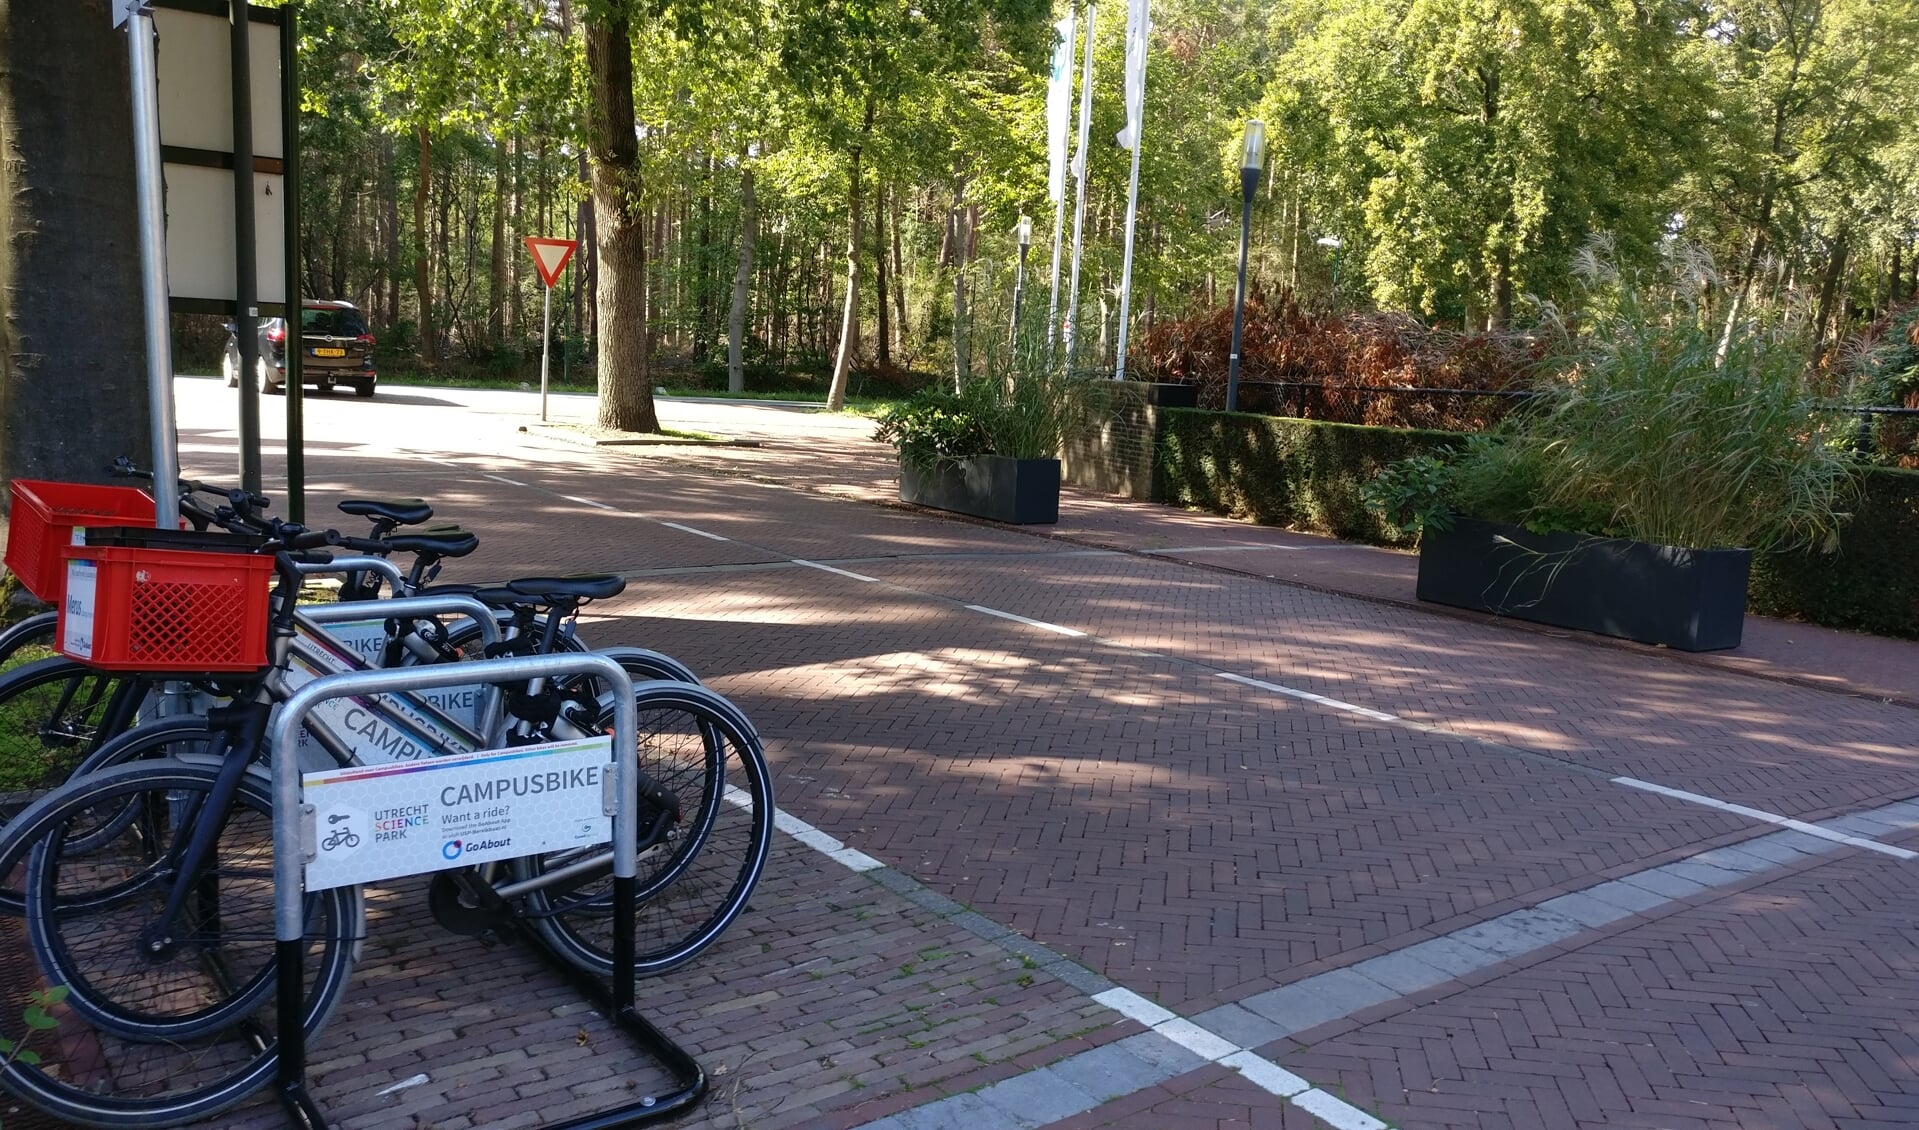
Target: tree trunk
742 275
1829 295
619 217
72 342
497 275
850 320
390 209
422 266
962 345
899 276
882 345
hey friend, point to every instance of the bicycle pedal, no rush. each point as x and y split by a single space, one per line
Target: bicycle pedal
455 910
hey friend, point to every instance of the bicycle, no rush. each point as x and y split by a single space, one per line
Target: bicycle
146 897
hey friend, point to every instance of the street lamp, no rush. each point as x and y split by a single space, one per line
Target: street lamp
1025 233
1332 242
1248 181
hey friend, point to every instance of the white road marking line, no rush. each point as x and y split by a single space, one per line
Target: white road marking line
691 530
1132 1006
1343 1115
1375 715
1767 817
502 479
812 837
841 572
1266 1075
1023 620
588 502
1209 1045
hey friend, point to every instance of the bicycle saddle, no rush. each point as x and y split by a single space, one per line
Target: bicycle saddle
441 541
580 586
399 511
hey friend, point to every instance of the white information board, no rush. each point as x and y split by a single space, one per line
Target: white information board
76 614
382 821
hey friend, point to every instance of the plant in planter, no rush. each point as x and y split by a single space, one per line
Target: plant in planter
1628 498
989 448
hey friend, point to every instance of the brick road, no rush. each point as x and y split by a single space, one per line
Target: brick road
1112 798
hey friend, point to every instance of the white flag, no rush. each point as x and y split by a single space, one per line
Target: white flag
1138 22
1059 110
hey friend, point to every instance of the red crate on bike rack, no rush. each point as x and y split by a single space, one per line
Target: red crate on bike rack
139 600
45 516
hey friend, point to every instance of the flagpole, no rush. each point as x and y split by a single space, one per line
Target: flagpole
1137 124
1126 262
1079 178
1059 197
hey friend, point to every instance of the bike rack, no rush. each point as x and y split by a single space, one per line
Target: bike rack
428 605
289 881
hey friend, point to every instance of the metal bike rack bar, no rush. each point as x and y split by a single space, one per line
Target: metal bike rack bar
428 605
378 565
289 878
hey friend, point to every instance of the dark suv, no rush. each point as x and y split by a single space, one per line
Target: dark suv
335 350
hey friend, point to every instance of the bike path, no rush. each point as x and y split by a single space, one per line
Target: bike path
912 727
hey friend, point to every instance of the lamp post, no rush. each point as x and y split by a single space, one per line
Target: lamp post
1332 242
1025 233
1248 182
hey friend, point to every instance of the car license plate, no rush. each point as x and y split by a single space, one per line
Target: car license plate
329 353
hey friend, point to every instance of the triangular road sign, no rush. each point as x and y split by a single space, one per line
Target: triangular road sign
550 256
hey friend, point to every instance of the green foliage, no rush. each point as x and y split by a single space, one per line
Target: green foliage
1413 495
1020 407
36 1017
1305 474
1661 426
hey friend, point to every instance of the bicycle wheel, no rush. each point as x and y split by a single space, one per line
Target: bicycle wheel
53 712
698 871
147 1040
171 737
30 639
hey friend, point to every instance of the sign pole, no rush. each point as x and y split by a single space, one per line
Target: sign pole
141 68
546 349
549 259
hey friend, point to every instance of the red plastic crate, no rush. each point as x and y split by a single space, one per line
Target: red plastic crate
131 608
45 515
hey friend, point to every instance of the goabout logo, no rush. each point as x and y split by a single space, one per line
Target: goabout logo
452 849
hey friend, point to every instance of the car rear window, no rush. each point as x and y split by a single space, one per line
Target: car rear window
331 320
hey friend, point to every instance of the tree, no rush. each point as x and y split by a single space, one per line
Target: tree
619 218
1474 145
74 393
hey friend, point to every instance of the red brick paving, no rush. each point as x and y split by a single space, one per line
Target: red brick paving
1789 1005
1092 797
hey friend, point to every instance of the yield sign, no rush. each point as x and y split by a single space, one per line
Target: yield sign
550 256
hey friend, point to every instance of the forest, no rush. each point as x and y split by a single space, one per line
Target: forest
737 171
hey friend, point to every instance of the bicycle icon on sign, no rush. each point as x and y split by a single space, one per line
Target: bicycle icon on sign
340 837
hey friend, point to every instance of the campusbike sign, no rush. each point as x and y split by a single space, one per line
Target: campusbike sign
375 822
374 738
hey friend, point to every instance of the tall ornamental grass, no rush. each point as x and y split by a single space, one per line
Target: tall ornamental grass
1683 434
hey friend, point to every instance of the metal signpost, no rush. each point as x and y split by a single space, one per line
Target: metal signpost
549 258
454 833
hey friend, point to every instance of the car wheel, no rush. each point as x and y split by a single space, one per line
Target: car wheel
364 388
230 366
266 378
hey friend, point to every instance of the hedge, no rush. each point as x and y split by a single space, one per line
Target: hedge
1283 472
1306 474
1872 583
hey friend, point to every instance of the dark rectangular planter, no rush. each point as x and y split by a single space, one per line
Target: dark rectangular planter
1021 491
1689 599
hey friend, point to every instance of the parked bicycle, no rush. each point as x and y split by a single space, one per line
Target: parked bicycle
147 885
